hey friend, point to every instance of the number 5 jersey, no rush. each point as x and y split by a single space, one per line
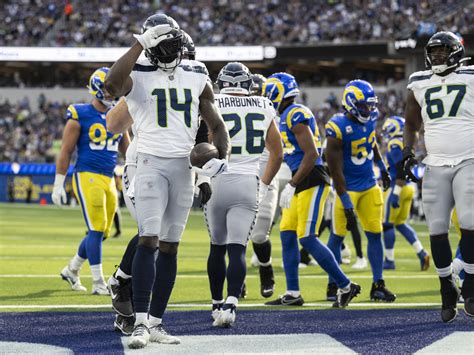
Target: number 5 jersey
447 109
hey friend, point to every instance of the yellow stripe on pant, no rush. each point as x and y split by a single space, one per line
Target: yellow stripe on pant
397 216
306 211
97 196
368 205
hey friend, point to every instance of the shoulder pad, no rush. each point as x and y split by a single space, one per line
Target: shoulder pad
194 66
72 112
468 69
395 144
419 76
298 114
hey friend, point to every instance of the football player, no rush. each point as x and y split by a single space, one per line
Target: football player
398 198
266 210
232 210
304 196
164 98
351 152
442 98
93 181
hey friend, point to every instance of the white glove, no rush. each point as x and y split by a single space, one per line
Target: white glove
153 36
201 180
59 194
286 196
262 191
212 168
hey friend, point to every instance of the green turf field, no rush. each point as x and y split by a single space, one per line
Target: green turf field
36 242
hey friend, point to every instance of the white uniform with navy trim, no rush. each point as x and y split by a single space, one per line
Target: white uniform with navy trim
231 211
128 177
447 109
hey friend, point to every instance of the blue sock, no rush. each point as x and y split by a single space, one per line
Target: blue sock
375 254
335 244
166 266
94 247
291 259
389 236
216 270
143 277
408 232
127 258
325 259
236 270
82 252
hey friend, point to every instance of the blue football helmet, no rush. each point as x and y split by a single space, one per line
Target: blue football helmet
393 126
96 85
280 86
359 100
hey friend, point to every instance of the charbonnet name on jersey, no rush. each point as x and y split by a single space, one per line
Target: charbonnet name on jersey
235 101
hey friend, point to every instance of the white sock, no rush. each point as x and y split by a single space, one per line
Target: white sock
141 318
390 254
218 302
97 275
268 263
154 321
120 273
417 246
232 300
76 263
458 266
468 268
445 271
293 293
347 288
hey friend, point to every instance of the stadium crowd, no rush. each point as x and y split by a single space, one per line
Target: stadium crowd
276 22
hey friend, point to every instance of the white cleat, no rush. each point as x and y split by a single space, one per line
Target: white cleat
100 289
140 337
72 277
226 318
158 334
254 260
346 256
361 263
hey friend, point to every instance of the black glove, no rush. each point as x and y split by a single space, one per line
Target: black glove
385 179
205 193
409 162
351 219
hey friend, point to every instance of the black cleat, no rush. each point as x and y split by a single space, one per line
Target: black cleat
469 306
467 292
449 298
121 293
331 292
286 300
343 298
123 324
267 281
380 293
243 293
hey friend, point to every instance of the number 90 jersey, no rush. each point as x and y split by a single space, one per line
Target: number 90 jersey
447 109
293 115
165 107
358 142
96 148
247 119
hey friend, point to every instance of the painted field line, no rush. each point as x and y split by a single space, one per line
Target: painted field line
204 276
241 305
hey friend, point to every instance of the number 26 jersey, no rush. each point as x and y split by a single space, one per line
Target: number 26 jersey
447 109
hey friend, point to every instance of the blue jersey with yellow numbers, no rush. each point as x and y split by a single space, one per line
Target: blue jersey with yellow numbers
293 115
96 148
394 155
358 143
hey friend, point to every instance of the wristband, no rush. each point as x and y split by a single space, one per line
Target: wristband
397 190
59 180
381 165
346 200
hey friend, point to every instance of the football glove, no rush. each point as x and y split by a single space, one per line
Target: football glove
286 196
386 180
153 36
203 189
409 162
351 219
394 198
262 191
59 193
212 168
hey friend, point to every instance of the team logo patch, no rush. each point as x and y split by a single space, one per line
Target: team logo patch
349 129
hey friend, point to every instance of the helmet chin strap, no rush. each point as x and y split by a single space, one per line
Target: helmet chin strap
439 69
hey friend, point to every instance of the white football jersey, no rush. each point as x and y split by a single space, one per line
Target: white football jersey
131 153
247 119
165 106
447 109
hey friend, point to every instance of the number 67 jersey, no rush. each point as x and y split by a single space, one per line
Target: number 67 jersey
447 109
165 107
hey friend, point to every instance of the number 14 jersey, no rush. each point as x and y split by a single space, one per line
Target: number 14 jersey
165 107
447 109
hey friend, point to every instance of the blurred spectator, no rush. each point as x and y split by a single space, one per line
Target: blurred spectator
106 23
